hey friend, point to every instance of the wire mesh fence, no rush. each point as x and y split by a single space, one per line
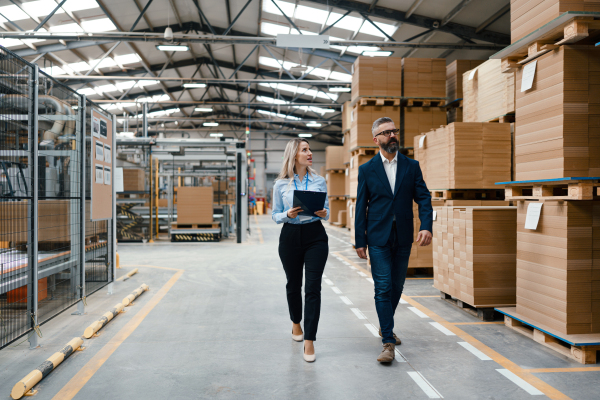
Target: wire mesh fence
43 249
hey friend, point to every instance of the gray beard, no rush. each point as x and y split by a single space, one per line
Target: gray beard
391 148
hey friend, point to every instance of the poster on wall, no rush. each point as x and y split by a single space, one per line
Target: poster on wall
102 178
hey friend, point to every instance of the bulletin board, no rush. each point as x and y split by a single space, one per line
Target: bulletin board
101 167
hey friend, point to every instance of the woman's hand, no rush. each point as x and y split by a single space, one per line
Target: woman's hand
293 212
321 213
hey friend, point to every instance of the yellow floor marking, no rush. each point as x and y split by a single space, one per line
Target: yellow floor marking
545 370
478 323
260 237
539 384
76 383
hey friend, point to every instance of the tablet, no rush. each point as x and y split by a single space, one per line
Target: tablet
309 201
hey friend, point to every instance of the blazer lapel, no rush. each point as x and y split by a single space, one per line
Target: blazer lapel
380 172
400 172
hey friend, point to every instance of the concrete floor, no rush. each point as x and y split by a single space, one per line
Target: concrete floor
215 325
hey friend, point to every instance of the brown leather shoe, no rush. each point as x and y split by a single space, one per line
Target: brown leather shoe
388 354
398 341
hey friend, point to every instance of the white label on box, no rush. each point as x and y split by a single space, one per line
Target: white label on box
99 151
326 177
528 75
99 174
119 180
422 141
346 171
303 41
434 215
107 180
107 154
533 215
472 74
352 163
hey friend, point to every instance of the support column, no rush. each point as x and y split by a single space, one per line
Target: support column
32 237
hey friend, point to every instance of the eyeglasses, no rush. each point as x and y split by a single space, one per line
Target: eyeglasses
388 133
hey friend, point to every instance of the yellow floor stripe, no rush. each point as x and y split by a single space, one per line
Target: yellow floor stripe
576 369
76 383
539 384
260 236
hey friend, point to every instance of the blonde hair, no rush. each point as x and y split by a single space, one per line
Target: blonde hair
289 161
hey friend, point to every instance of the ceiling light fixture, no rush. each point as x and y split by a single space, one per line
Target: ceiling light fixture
216 135
173 47
340 89
194 85
210 124
377 53
313 124
203 109
305 135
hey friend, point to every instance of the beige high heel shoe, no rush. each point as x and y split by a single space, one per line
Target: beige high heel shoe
308 357
297 338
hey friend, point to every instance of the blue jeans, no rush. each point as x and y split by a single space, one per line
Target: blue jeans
389 264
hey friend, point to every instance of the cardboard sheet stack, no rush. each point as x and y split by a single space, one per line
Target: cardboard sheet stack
356 161
558 266
454 85
195 205
424 77
420 257
134 179
375 76
350 215
474 254
346 118
556 132
488 93
465 155
224 192
347 163
335 177
362 122
528 15
416 120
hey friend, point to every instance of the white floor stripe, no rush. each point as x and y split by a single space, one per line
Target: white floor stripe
346 263
351 267
346 300
358 313
476 352
418 312
373 282
425 385
400 357
373 330
402 301
336 290
327 281
362 274
520 382
442 329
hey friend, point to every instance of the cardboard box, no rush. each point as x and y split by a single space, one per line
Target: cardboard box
454 77
334 157
356 161
362 122
134 179
376 76
335 206
419 120
336 183
346 120
424 77
195 205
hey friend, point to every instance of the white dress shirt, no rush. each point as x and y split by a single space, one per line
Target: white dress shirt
390 169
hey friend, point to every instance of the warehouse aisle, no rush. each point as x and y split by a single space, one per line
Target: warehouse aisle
215 325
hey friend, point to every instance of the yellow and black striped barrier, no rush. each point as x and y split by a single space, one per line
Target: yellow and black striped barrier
195 237
25 385
101 323
127 301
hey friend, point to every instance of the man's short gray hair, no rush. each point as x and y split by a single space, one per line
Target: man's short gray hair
379 121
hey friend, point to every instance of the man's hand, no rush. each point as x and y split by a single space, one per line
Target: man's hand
321 213
293 212
362 252
424 238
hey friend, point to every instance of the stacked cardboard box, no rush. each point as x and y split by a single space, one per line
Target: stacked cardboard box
454 86
556 133
420 257
336 183
474 254
346 119
424 77
350 216
195 205
557 266
134 179
374 76
223 191
334 157
347 163
465 155
488 93
356 161
529 15
416 120
335 206
362 123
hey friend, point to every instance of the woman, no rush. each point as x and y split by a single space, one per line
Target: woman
303 241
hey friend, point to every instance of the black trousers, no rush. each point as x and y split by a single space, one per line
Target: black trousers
304 246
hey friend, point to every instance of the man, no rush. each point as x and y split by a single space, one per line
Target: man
387 186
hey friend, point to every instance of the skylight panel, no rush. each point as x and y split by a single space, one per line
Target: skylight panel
360 49
107 88
369 29
80 5
66 28
288 8
146 83
13 13
274 29
270 100
270 62
127 59
80 66
54 70
41 8
87 91
304 91
348 22
98 25
311 14
106 63
124 85
274 114
340 76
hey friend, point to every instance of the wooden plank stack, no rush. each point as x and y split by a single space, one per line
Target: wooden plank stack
374 76
424 77
454 86
529 15
362 122
416 120
488 94
556 133
474 254
465 155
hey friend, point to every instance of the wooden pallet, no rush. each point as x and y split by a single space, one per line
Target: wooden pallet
364 151
336 171
567 189
467 194
375 101
482 313
214 225
337 197
341 225
419 271
458 103
426 102
568 28
504 119
581 348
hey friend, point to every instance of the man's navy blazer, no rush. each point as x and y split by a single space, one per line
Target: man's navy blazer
376 204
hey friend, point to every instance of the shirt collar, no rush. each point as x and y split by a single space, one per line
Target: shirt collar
310 178
385 160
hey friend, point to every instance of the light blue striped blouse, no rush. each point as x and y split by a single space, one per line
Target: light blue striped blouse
283 198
